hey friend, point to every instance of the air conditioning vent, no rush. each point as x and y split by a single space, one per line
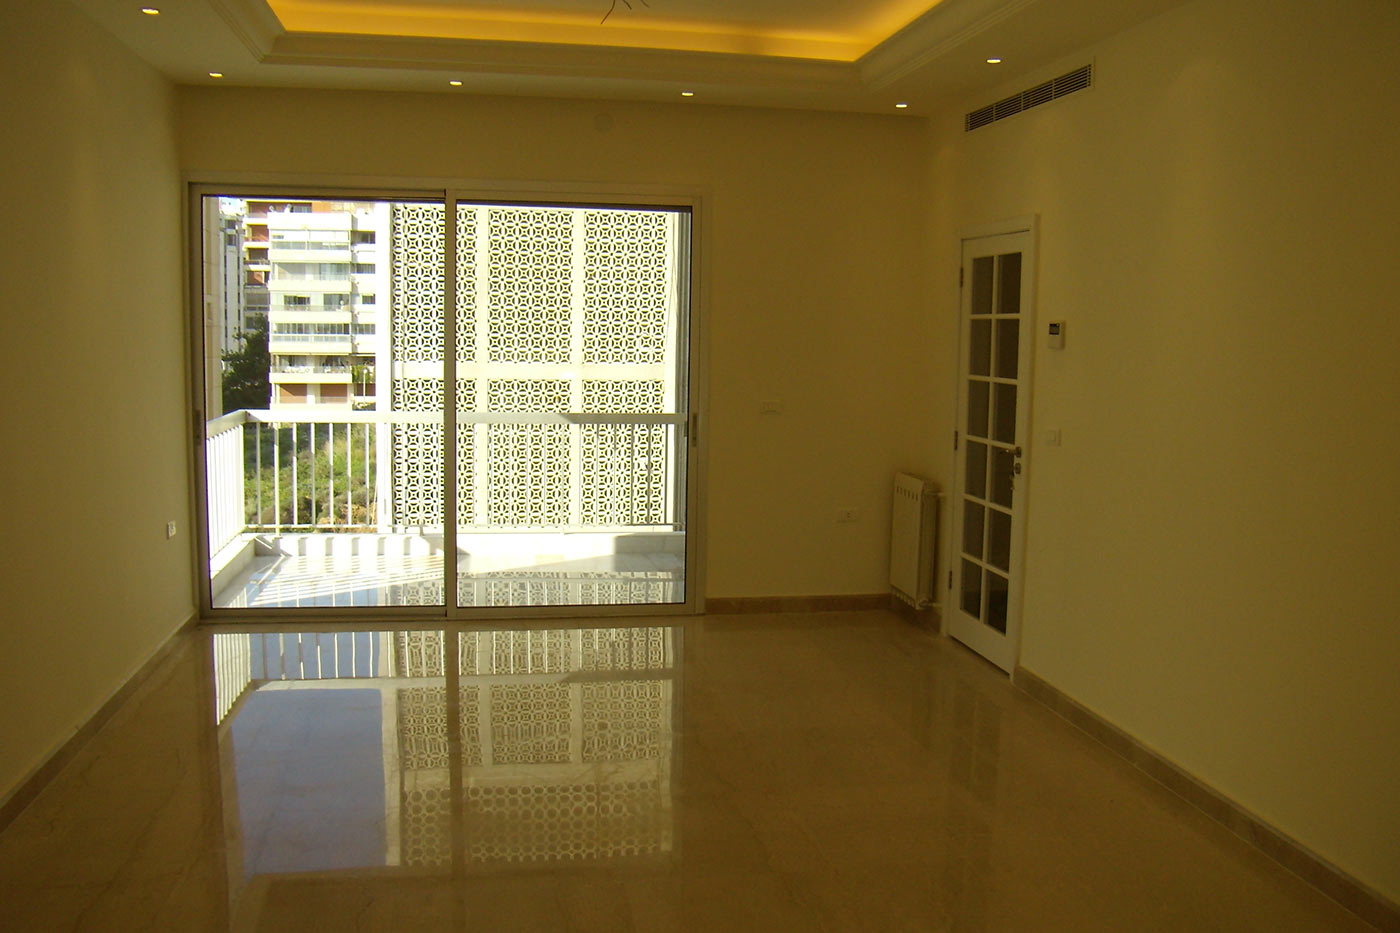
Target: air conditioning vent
1076 80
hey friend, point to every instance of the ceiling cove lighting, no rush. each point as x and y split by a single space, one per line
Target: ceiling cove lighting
455 83
216 74
687 93
993 61
150 11
902 105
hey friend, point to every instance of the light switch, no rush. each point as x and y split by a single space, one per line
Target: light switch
1051 437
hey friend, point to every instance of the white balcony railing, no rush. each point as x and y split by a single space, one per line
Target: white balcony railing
367 340
224 472
309 368
380 471
304 344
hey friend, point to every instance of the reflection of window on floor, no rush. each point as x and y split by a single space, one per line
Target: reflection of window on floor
565 739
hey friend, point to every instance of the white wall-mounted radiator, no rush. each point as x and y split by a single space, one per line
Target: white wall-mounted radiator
913 539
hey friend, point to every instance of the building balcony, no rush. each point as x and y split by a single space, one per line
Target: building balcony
333 507
301 344
281 252
309 375
299 285
311 314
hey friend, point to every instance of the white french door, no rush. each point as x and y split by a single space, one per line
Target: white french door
989 504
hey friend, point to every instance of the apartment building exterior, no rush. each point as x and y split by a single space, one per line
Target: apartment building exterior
319 271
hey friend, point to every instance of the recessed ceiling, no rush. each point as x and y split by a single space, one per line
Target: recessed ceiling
855 55
834 30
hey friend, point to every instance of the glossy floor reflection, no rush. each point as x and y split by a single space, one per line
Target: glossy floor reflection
836 771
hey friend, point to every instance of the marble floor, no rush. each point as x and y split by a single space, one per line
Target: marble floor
832 771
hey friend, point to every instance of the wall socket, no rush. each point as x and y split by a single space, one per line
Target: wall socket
848 515
170 529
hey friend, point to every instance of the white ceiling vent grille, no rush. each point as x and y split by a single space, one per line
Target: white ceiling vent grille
1076 80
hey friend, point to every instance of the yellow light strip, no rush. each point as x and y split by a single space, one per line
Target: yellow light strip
641 29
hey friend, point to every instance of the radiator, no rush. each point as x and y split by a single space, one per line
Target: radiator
913 537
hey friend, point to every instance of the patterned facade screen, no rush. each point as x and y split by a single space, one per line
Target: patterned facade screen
558 310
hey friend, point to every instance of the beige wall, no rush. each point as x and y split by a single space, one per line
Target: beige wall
1213 552
814 236
92 377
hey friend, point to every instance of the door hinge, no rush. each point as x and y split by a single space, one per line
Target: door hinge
694 429
961 272
950 579
955 440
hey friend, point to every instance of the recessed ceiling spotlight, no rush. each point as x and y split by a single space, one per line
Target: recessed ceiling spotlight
455 83
687 93
150 11
993 61
216 74
902 105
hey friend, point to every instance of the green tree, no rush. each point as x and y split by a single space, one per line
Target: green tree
246 369
351 459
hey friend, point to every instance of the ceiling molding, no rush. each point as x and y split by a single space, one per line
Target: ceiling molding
252 21
932 36
947 26
516 58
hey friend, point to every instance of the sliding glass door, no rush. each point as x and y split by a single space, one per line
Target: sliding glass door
334 455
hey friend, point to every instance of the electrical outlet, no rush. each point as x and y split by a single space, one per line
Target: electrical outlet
848 515
170 529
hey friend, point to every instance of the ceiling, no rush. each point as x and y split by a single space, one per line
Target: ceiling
854 55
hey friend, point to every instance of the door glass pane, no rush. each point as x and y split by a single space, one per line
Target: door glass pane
976 469
308 495
977 398
971 589
972 529
997 588
1008 345
999 539
1004 429
325 336
980 356
1009 286
983 268
577 312
1002 462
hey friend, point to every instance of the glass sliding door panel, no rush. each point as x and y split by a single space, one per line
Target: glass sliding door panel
322 335
572 396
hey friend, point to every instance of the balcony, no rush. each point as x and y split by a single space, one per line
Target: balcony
323 374
298 284
303 344
552 509
309 252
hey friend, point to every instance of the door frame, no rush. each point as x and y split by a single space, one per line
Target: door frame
1001 650
450 191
